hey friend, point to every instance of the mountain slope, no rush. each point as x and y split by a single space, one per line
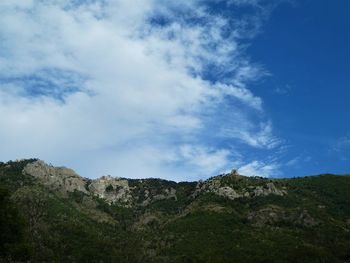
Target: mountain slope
52 214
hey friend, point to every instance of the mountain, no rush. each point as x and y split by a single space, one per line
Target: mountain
52 214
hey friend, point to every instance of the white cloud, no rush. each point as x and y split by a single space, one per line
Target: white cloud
98 87
207 160
259 168
256 136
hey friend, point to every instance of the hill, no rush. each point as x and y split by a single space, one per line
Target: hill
52 214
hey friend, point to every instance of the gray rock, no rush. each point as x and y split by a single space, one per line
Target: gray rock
112 189
259 191
59 178
117 190
167 194
228 192
271 188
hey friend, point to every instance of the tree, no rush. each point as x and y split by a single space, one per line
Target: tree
13 242
33 204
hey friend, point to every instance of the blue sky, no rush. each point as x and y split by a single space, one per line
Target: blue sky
181 90
306 49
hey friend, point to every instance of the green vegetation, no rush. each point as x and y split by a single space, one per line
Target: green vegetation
13 237
311 223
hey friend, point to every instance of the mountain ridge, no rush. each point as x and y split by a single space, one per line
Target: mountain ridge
117 189
52 214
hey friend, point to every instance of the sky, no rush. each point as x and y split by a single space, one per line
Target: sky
180 90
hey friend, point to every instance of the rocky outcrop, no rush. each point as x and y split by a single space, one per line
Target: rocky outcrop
112 189
66 180
226 189
167 193
144 192
200 188
228 192
269 188
60 178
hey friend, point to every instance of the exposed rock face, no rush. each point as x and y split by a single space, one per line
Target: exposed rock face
60 178
143 192
270 188
200 188
112 189
216 186
66 180
167 194
228 192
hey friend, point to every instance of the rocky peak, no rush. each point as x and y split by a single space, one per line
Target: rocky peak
234 173
233 185
59 178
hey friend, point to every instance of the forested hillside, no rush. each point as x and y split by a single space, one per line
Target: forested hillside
52 214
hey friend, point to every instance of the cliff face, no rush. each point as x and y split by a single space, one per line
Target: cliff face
59 178
118 190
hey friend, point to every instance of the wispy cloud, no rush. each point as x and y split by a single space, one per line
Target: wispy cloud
342 143
260 168
124 87
283 90
341 147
